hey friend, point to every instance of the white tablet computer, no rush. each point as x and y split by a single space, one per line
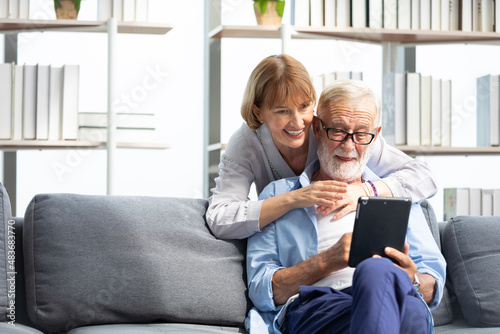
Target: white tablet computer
380 222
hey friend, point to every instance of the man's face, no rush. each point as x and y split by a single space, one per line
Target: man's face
346 160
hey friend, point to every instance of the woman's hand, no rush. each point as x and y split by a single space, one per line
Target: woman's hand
321 193
346 204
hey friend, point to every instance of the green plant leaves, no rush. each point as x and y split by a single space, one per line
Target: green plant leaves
262 6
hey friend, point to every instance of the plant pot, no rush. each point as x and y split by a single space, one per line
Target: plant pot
66 10
270 17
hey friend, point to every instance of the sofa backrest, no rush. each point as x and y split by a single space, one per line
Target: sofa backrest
5 270
128 259
472 250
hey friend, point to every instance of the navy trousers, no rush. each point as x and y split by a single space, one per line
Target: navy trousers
381 300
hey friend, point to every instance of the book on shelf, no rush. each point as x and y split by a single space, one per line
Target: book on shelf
474 202
413 109
425 14
317 13
343 13
435 15
4 9
476 15
13 9
497 16
122 120
124 135
69 121
104 9
445 15
142 10
356 75
343 75
29 102
300 13
118 10
330 13
415 14
436 112
404 14
425 110
55 103
466 15
375 14
488 110
358 14
17 103
455 202
487 15
6 100
487 202
128 10
394 108
390 14
454 14
446 112
24 9
496 202
42 101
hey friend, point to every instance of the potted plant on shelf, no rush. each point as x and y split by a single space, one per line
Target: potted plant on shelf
269 12
67 9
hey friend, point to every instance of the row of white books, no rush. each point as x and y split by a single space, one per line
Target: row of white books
14 9
39 102
444 15
130 127
488 110
121 10
471 202
322 81
416 110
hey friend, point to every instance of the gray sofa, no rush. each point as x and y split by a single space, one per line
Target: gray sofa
130 264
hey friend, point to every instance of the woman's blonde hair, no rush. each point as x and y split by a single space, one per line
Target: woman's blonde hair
275 80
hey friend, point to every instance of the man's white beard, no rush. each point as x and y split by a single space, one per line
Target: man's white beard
339 170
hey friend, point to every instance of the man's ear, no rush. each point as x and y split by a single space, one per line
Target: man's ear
317 127
377 131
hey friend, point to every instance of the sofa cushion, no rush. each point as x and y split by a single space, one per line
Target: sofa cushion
472 250
443 313
127 259
7 233
171 328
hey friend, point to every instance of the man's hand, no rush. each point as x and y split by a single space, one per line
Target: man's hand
286 282
427 282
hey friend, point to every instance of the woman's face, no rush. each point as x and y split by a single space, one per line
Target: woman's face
289 123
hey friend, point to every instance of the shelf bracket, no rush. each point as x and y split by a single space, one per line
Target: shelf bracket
111 143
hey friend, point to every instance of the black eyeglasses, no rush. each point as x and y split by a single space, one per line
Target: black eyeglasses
339 135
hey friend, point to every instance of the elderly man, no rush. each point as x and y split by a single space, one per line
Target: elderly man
298 277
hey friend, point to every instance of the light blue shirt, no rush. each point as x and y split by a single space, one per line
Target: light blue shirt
293 238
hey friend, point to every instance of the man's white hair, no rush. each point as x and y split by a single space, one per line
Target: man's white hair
350 92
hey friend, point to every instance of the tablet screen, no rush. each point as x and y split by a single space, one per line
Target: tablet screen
380 222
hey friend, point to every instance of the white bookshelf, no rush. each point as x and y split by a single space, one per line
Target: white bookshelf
110 27
390 39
